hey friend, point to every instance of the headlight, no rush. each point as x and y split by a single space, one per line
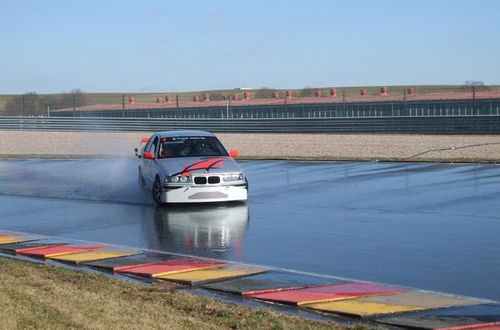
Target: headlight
178 179
233 177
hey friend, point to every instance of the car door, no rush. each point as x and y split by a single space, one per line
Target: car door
143 162
149 165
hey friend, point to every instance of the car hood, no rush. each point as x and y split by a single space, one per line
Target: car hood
198 165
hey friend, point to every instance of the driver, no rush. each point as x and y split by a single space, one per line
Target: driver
202 148
185 150
165 151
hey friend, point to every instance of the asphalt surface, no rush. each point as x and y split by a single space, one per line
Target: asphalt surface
429 226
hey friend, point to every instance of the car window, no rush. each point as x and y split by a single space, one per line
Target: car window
190 146
148 144
152 146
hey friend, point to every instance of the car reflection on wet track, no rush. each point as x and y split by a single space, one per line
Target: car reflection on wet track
204 230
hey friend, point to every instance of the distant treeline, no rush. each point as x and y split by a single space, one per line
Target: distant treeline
32 104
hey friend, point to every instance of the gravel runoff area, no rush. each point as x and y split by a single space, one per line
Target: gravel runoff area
383 147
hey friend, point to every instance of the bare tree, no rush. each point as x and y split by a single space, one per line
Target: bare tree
75 98
306 92
217 96
478 85
28 104
32 104
265 93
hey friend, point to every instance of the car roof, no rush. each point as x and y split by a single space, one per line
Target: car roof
183 133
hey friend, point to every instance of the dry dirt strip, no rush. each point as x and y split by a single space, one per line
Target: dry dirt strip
383 147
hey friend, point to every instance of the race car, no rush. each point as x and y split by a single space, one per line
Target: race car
190 167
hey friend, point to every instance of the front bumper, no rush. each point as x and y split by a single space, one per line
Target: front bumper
205 194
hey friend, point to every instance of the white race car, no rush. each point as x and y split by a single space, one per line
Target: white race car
190 167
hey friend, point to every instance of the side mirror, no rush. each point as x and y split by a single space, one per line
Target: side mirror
149 155
234 153
144 140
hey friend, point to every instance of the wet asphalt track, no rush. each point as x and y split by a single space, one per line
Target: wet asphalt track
430 226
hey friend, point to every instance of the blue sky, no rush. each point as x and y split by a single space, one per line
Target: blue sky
150 46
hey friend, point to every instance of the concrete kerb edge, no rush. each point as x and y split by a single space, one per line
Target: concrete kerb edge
195 290
269 268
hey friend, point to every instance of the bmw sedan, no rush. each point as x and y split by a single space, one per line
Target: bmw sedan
190 167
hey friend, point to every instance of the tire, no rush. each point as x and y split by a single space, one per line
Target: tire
142 182
157 191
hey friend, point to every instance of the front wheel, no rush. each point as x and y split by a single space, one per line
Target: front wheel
157 191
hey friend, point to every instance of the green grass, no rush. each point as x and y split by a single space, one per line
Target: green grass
47 297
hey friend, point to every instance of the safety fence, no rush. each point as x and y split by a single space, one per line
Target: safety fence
477 124
401 108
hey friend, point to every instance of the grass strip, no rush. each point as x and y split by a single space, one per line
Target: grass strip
46 297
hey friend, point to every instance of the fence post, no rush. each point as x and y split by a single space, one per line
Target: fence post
343 100
177 112
22 106
473 98
123 105
285 107
404 101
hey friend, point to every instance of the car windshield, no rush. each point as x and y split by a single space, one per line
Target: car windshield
190 146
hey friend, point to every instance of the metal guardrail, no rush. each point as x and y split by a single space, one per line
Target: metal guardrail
440 124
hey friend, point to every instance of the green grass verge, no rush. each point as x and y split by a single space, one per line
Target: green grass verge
47 297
